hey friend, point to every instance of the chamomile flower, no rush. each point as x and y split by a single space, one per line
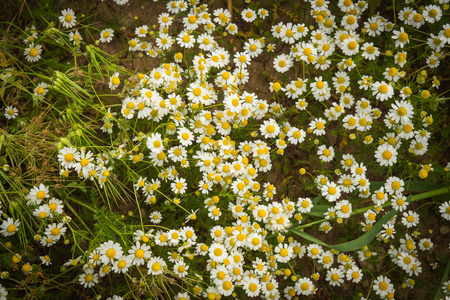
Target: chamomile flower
217 252
325 154
331 191
155 217
343 209
165 20
283 63
382 91
106 35
388 231
33 52
180 269
141 31
109 252
114 81
68 18
55 230
11 112
335 277
251 286
401 37
318 126
37 194
9 227
88 279
249 15
68 156
350 46
269 129
399 202
284 253
386 155
164 41
156 265
444 210
122 264
401 112
394 185
410 219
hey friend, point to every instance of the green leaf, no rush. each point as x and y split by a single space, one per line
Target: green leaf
366 238
357 244
318 210
316 200
412 186
439 293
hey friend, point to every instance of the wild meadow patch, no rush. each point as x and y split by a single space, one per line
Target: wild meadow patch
225 149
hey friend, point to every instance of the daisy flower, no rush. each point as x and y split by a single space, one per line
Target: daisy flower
33 52
122 264
382 90
88 279
331 191
114 81
283 63
401 37
164 41
9 227
410 219
185 136
251 286
248 15
217 252
444 210
386 155
11 112
75 37
41 89
318 126
37 194
401 112
325 154
284 253
335 277
179 186
304 286
141 31
269 129
106 35
68 156
55 230
68 18
109 252
383 286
